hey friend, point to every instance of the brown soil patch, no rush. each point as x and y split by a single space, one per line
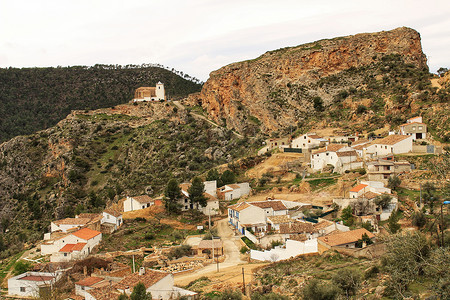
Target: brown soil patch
276 164
147 213
177 225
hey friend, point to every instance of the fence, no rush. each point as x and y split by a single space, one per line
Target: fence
292 150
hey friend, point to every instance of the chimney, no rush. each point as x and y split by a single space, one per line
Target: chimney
141 271
85 270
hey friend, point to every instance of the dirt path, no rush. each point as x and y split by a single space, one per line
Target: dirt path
231 249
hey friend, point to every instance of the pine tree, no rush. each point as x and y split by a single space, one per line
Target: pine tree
196 192
139 293
172 193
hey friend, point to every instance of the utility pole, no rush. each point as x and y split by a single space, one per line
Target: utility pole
134 269
243 280
420 199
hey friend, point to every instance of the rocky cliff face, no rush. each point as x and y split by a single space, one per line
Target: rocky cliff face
278 88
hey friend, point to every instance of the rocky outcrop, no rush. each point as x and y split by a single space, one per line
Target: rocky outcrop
276 89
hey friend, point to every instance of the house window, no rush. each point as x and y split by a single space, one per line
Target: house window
327 153
82 288
22 289
414 128
65 254
385 147
107 216
420 127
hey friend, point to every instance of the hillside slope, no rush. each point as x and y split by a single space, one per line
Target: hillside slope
323 83
92 158
33 99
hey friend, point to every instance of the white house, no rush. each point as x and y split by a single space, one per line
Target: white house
159 284
112 217
137 202
73 246
340 156
143 94
254 214
32 284
234 191
67 224
210 192
392 144
309 141
415 128
292 249
87 284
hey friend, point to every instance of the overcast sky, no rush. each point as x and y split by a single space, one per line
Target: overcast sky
199 36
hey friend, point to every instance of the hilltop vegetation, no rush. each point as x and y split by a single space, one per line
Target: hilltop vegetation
33 99
92 159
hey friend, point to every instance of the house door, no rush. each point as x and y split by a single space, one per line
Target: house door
418 136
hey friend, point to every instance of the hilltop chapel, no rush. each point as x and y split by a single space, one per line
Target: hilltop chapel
144 94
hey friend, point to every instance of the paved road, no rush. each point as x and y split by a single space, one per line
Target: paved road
231 247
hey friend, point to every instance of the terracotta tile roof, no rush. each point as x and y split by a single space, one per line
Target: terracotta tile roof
391 139
413 123
330 148
113 212
234 186
37 278
239 206
275 205
280 219
370 195
88 215
72 221
104 293
207 244
335 147
72 247
86 233
185 186
143 199
314 136
322 224
345 237
89 281
297 227
148 279
346 153
209 197
358 187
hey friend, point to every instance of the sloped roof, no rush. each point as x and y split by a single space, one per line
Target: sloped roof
113 212
330 148
419 123
142 199
391 139
209 197
185 186
239 206
322 224
280 219
346 153
234 186
275 205
86 233
88 281
297 227
148 279
104 293
72 221
358 187
72 247
37 278
208 244
347 237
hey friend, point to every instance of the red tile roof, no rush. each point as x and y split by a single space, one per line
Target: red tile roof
37 278
72 247
86 233
89 281
358 187
343 238
104 293
346 153
72 221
